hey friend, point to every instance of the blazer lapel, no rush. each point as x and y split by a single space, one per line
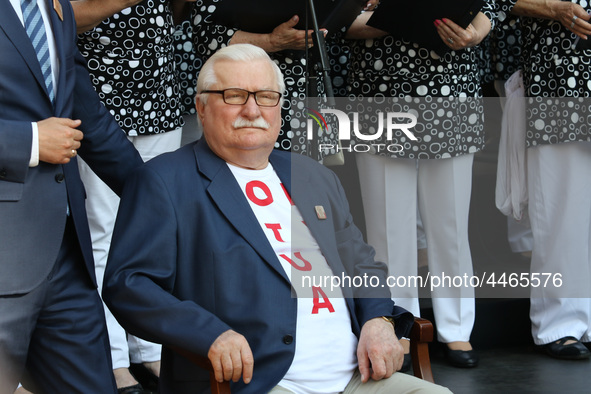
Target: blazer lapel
230 200
16 33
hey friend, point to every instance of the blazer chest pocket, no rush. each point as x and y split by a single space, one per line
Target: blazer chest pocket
11 191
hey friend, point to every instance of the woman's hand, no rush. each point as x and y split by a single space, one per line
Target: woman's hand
572 16
371 5
284 36
457 38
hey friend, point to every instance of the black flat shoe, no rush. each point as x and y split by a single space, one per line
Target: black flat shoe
462 358
573 351
135 389
406 363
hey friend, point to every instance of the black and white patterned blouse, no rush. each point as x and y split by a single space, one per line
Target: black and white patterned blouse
444 91
188 65
557 79
131 63
501 50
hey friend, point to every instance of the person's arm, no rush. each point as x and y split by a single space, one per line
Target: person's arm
458 38
89 13
140 276
572 16
284 36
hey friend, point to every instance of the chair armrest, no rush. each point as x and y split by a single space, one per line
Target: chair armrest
420 336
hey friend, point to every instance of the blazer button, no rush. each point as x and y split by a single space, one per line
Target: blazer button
3 173
59 178
288 339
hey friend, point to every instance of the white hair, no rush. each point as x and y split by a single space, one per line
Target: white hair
237 52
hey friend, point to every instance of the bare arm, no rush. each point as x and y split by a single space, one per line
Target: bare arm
457 38
560 11
89 13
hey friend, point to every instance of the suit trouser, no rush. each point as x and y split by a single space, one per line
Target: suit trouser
101 206
390 189
55 335
559 186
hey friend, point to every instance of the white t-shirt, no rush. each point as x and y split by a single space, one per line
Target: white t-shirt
325 346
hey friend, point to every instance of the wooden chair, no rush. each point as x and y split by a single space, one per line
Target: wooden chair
420 336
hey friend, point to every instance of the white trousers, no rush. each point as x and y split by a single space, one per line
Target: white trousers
559 185
390 189
101 206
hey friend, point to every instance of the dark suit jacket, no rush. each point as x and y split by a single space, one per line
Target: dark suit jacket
206 265
33 201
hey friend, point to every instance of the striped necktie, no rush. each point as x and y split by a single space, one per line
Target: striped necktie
36 31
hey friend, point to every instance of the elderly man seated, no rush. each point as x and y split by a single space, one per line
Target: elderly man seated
234 225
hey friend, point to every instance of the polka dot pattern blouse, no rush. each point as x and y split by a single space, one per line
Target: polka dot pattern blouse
131 63
557 79
444 91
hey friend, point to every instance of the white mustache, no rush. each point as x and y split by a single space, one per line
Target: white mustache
259 122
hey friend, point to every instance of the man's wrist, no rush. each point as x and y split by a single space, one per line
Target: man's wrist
390 320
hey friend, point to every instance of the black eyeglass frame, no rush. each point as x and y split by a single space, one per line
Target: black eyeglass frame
254 94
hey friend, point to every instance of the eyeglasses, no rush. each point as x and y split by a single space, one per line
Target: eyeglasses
234 96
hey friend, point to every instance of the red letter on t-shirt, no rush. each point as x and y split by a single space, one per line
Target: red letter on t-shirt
275 227
317 304
250 186
306 267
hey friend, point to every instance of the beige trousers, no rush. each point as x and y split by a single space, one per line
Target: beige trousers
399 383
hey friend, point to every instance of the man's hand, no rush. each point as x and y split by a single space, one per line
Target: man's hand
58 139
379 352
231 357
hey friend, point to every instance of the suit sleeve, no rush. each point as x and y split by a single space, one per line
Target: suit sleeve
105 147
15 150
140 275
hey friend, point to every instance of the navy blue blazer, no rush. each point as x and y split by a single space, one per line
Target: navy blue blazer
206 265
34 201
